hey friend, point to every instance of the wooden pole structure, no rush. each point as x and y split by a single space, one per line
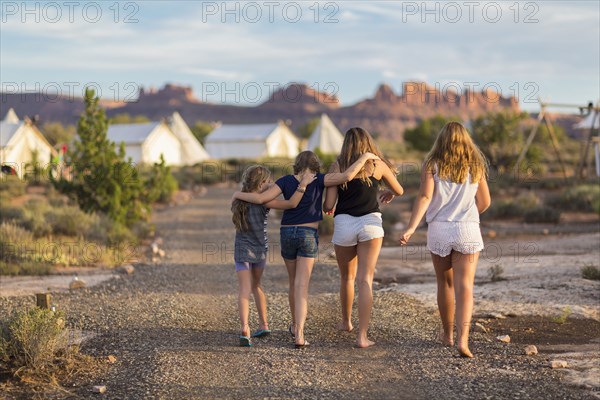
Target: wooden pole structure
555 145
583 161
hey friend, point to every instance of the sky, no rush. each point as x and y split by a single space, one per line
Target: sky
240 52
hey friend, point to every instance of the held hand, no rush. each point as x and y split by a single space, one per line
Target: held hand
405 237
307 179
330 212
386 196
370 156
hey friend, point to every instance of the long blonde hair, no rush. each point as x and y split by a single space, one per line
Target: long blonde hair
252 178
456 155
358 141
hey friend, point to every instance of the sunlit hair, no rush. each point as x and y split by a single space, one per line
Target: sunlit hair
307 160
456 155
358 141
252 178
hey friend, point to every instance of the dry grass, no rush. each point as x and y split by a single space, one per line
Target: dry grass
36 357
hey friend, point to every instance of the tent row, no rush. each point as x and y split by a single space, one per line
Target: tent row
172 138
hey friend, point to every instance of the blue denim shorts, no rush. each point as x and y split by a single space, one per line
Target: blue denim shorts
299 241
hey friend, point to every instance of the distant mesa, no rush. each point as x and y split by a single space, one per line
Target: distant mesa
387 113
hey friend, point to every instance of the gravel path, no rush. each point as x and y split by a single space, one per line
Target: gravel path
174 327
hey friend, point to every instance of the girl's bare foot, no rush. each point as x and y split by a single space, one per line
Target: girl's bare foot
364 343
446 340
345 326
465 352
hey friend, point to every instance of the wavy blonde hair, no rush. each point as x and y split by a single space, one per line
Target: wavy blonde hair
358 141
252 178
456 155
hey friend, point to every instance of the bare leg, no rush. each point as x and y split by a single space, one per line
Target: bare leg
464 277
291 269
304 267
245 287
347 263
259 298
445 296
368 253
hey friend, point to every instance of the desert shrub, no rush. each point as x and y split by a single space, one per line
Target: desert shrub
160 184
542 215
12 186
496 273
10 213
390 218
14 241
326 225
24 268
590 272
584 198
70 221
33 338
34 217
504 209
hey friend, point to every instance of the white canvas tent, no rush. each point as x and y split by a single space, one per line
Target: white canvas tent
192 151
19 141
144 143
326 137
252 141
592 121
586 123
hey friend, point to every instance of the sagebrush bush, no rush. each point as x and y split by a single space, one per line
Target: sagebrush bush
590 272
326 225
542 215
584 198
33 338
70 221
12 186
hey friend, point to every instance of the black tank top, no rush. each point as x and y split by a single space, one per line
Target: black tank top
358 198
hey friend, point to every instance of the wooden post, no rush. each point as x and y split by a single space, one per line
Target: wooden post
43 300
555 145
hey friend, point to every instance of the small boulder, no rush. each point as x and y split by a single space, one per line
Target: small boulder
126 269
77 283
530 350
504 338
99 389
480 328
558 364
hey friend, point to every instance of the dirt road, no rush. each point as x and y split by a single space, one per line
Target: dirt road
174 330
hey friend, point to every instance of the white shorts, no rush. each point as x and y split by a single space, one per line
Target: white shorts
349 230
464 237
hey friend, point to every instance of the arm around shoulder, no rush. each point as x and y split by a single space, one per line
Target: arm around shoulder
393 184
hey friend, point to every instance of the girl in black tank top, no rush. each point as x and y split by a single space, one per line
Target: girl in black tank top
358 198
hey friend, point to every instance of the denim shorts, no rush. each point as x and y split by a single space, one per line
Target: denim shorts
299 241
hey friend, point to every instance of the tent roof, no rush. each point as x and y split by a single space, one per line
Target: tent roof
190 145
586 123
7 131
131 133
11 116
245 132
326 137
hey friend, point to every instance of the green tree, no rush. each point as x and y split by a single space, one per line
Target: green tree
100 177
423 136
304 131
499 136
160 185
201 129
